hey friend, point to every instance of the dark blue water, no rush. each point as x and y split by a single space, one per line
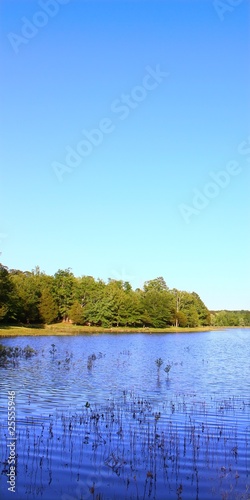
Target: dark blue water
117 427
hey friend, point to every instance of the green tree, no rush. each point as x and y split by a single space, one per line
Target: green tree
230 318
177 313
76 313
64 291
192 317
188 307
131 309
90 295
181 319
48 307
6 288
157 308
25 302
156 285
203 312
111 304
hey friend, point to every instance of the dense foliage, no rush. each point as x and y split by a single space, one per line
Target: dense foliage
230 318
34 298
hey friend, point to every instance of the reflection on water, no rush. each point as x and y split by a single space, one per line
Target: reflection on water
97 419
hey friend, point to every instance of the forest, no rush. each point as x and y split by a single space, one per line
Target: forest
33 297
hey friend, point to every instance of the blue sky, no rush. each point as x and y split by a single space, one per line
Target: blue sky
140 203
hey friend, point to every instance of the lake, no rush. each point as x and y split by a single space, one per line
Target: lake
96 418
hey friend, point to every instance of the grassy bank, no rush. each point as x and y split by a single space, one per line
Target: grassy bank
69 329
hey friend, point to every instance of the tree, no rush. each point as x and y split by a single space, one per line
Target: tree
76 313
157 310
177 314
193 311
26 297
131 309
156 302
192 317
48 307
187 307
203 312
111 304
64 291
89 294
181 319
157 285
6 287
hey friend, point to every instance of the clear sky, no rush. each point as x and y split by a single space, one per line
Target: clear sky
166 83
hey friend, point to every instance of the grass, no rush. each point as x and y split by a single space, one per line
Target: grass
70 329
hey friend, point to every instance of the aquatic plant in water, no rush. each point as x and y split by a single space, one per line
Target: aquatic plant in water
159 362
167 370
8 354
53 350
91 359
133 446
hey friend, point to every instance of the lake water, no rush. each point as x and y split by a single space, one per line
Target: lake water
96 419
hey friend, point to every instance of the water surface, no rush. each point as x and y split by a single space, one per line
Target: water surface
117 427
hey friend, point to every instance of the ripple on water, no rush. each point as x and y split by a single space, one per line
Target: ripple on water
123 430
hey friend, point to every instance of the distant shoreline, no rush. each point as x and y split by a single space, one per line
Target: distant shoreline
64 329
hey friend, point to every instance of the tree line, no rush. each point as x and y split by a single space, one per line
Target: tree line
33 297
230 318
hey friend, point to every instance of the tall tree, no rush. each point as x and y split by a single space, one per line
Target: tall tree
202 310
157 307
27 296
76 313
89 294
64 291
157 285
6 287
48 307
178 316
